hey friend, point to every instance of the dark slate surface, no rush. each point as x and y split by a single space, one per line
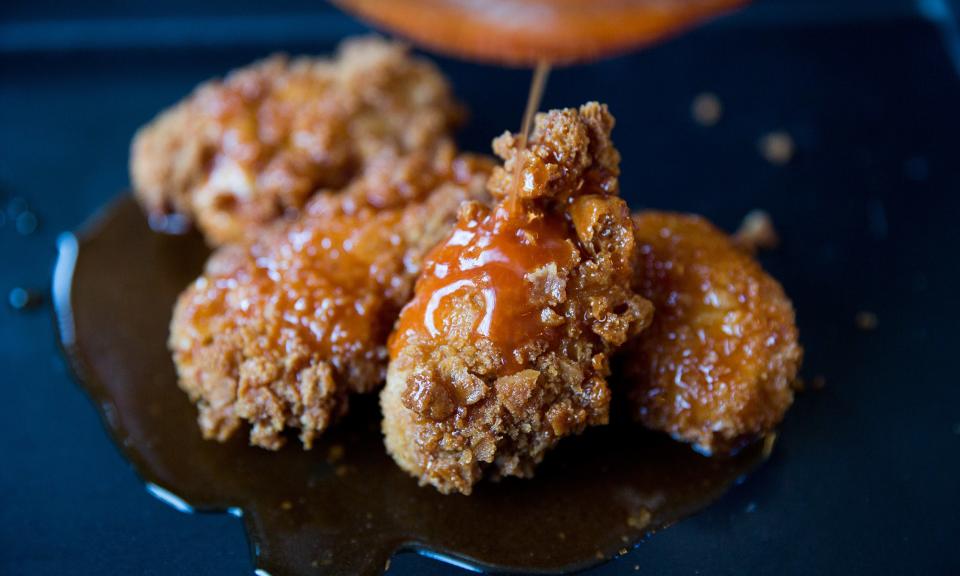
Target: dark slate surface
866 475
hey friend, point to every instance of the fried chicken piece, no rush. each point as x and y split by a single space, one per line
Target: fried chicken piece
278 333
716 366
504 349
242 152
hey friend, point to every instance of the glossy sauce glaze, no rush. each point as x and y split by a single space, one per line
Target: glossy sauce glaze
330 276
345 507
718 365
489 258
279 333
327 286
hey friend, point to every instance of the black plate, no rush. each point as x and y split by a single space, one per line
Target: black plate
865 475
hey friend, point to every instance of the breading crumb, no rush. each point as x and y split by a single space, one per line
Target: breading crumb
335 453
769 441
639 519
756 232
866 321
706 109
777 148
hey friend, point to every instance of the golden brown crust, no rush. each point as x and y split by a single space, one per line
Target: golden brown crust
716 366
279 332
242 152
503 350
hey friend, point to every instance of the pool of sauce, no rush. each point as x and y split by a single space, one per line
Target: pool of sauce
345 507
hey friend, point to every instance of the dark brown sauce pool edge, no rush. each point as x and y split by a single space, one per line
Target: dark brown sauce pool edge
345 507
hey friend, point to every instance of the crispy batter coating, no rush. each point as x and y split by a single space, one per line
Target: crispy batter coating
504 349
279 332
715 368
242 152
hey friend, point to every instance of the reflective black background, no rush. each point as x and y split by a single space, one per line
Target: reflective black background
866 475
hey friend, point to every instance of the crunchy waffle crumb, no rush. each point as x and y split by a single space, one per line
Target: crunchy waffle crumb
639 519
757 232
706 109
335 453
777 148
866 321
769 441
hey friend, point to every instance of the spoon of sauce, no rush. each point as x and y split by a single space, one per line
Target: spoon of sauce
525 32
538 33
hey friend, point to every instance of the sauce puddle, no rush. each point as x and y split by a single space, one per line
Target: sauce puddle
345 507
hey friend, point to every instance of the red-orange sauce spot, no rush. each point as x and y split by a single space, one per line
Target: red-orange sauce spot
487 259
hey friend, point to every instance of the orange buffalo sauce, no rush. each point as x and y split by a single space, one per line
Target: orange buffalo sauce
482 283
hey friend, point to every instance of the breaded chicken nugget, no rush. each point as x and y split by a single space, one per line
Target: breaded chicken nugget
242 152
280 332
504 349
716 366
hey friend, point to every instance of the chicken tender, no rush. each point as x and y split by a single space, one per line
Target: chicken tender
278 333
504 349
242 152
716 367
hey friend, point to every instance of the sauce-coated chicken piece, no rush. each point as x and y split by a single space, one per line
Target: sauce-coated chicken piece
278 333
504 349
242 152
716 366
